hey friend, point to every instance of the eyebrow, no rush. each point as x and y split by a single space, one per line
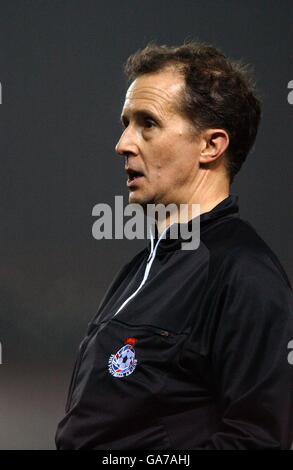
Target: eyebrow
141 113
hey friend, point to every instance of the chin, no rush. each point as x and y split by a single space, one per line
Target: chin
134 198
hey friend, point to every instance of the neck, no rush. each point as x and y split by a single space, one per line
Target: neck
207 194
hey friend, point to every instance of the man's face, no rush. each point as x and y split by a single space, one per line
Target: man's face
162 157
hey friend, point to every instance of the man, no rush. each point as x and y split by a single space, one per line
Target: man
189 348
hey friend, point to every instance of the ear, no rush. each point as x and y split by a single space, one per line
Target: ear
214 143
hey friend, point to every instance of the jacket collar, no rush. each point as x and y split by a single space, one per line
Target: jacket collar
227 207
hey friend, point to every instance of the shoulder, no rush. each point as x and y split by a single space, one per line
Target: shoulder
238 252
248 288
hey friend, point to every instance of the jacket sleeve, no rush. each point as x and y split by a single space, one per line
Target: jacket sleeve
252 370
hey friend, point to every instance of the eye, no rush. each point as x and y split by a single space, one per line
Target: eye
124 124
149 123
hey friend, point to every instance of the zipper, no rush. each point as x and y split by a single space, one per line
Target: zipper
144 327
147 270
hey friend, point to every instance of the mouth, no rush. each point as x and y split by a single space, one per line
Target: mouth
133 177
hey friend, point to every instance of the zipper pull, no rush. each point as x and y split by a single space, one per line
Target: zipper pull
164 333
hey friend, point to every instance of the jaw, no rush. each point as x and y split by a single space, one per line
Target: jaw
136 197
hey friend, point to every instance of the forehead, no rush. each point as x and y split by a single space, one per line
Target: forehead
157 92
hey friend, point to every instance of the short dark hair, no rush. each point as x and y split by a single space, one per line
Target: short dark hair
219 92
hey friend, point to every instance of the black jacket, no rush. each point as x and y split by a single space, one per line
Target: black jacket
197 358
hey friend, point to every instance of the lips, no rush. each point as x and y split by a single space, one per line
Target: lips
133 176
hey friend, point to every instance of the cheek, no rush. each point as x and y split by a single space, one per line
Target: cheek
168 159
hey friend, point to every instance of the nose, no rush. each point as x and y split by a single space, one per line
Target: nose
127 143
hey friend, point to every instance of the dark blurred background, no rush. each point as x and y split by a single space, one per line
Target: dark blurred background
62 93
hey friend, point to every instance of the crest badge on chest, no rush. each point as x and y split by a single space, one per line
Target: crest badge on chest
123 363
